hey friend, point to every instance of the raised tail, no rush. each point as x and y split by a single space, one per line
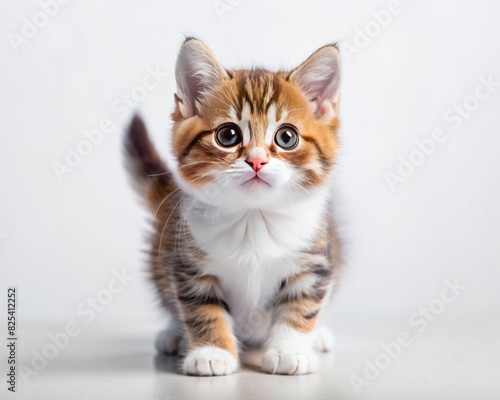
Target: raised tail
149 173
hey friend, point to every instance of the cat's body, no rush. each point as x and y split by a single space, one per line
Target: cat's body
244 250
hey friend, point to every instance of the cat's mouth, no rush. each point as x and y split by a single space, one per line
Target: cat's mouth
255 180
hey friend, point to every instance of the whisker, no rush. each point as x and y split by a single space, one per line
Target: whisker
163 201
207 174
300 186
170 194
161 173
164 226
198 162
221 159
185 219
210 173
188 165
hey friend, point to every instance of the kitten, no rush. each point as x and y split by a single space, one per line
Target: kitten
244 252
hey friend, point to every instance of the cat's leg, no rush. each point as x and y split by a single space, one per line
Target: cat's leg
290 349
212 348
168 341
323 339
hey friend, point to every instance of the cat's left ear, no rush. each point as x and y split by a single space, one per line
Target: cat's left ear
319 78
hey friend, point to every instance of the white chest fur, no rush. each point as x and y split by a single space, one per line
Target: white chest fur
252 251
245 235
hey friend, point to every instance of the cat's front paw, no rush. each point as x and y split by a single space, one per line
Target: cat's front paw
284 363
209 361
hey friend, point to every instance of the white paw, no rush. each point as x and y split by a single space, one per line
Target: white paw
167 341
275 362
209 361
323 339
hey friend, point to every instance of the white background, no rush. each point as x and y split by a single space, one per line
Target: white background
62 240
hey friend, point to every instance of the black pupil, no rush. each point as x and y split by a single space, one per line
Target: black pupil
286 138
228 136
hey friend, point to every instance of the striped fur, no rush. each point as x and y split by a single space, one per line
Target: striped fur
238 264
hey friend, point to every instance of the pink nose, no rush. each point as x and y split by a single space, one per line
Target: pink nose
256 162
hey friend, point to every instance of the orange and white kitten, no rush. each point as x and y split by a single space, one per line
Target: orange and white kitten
244 251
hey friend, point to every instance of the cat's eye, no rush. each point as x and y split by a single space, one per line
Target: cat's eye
228 135
287 137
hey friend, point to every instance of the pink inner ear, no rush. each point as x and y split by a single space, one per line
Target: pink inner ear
319 80
323 110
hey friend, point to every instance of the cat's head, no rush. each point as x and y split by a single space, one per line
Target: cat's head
248 138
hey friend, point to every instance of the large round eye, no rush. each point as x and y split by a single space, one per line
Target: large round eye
287 137
228 135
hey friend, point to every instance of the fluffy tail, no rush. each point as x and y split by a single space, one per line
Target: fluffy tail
148 171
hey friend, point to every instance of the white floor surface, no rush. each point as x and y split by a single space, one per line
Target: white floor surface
452 359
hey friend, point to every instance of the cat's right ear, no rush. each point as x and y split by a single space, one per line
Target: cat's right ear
197 73
319 80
